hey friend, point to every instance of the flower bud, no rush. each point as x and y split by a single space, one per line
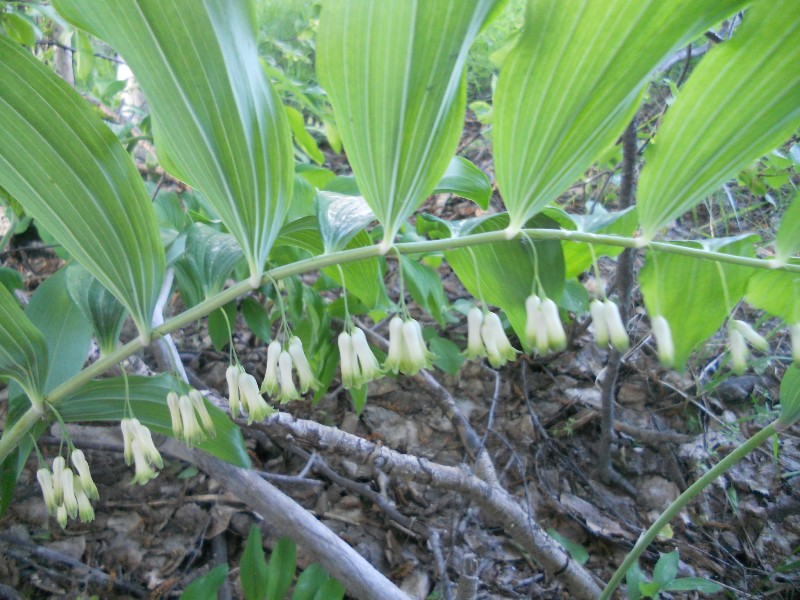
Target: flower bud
369 368
664 344
85 510
288 391
45 478
255 405
58 470
175 414
616 329
199 404
85 475
739 353
557 338
232 375
498 349
270 385
68 487
475 346
751 335
61 516
597 310
397 346
304 373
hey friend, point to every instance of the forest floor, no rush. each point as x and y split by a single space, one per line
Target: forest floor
539 420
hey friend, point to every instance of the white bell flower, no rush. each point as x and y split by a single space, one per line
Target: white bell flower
61 516
739 352
192 432
144 470
536 335
475 347
199 404
397 347
498 349
557 338
70 500
232 375
416 354
368 365
755 339
287 392
45 478
173 402
85 510
59 464
270 384
615 326
664 343
254 404
140 450
597 310
85 475
304 372
348 360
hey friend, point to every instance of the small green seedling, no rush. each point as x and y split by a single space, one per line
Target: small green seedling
665 580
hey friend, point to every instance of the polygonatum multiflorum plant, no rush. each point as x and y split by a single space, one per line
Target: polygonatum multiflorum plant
393 71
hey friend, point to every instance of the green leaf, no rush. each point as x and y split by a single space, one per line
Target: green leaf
10 470
506 270
340 218
11 279
359 397
23 353
449 357
104 400
693 584
425 287
308 144
66 331
464 179
742 101
309 582
634 578
690 293
787 240
397 88
572 84
67 169
363 278
208 260
253 567
221 323
576 551
206 586
330 590
218 124
97 305
319 177
790 396
666 568
19 29
280 572
84 56
650 589
776 292
257 319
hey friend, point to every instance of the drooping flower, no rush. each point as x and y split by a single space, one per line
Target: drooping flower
59 464
253 403
143 470
416 354
85 510
664 343
739 351
543 328
232 375
192 432
68 488
498 349
45 478
61 516
597 310
173 402
475 347
616 328
397 346
755 339
140 450
85 475
288 391
348 360
271 385
199 404
369 368
304 372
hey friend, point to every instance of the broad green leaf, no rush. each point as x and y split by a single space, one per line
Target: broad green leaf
742 101
633 579
319 177
11 279
578 553
693 584
70 173
359 397
449 357
666 568
394 73
776 292
425 286
255 315
340 218
19 28
309 582
330 590
503 273
104 400
253 567
787 241
98 306
207 263
691 293
221 324
84 56
218 124
280 571
23 353
572 84
464 179
790 396
206 586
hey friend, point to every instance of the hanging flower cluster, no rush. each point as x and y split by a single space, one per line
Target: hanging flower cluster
608 325
68 495
486 337
358 363
543 328
407 350
191 422
140 450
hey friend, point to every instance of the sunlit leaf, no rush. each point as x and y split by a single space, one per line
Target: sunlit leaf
23 353
742 101
464 179
787 241
218 124
394 74
98 306
572 83
70 173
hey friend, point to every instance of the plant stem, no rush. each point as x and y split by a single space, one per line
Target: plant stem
14 434
201 310
673 509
